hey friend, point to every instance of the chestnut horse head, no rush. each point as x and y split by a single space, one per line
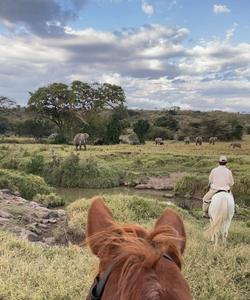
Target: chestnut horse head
134 263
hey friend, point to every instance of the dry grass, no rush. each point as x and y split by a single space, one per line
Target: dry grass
31 272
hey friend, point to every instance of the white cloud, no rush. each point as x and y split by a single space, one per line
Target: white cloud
152 63
230 32
221 9
147 8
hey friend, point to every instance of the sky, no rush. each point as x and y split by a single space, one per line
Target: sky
194 54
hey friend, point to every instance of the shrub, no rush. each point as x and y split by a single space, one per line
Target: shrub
191 186
36 164
87 173
27 185
241 190
49 200
164 133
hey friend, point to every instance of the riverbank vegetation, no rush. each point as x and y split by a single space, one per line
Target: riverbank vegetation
108 166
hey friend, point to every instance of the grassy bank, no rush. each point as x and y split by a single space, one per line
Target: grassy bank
27 185
34 273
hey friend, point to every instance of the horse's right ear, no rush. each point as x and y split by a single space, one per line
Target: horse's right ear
172 219
99 219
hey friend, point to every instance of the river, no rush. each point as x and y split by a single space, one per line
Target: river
73 194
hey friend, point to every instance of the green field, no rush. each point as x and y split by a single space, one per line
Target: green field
29 271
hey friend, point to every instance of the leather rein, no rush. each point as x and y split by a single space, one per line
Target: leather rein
98 286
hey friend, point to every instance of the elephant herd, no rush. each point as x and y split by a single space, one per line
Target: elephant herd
199 141
80 140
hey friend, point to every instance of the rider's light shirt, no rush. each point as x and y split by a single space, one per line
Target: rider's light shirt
221 178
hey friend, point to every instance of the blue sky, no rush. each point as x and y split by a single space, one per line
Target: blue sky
190 53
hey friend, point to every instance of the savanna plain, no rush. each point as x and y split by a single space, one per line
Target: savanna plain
34 272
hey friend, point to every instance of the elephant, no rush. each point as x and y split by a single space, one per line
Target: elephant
159 141
198 140
212 140
235 145
187 140
81 139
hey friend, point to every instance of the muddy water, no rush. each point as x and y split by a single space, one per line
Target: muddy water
73 194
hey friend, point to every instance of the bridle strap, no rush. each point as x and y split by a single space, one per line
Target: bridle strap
100 282
168 257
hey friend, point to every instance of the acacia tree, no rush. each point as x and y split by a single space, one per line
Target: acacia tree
63 104
52 102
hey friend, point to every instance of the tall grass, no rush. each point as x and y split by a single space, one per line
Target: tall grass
35 273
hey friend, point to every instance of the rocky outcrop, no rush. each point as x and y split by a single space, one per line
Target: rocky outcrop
166 183
34 222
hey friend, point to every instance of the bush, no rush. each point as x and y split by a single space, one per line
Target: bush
27 185
87 173
191 186
164 133
241 190
36 164
49 200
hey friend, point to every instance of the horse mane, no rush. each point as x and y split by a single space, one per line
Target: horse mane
132 250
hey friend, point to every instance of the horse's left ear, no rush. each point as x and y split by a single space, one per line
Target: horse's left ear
99 220
172 219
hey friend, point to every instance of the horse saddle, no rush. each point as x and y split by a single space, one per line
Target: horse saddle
220 191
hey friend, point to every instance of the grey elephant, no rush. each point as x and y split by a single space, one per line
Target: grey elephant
81 139
235 145
198 140
212 140
159 141
187 140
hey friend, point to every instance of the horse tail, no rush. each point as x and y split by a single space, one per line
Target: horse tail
219 219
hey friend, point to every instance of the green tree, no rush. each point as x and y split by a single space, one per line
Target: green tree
238 131
63 104
167 121
141 128
114 130
54 103
34 127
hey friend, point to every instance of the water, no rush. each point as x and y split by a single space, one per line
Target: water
73 194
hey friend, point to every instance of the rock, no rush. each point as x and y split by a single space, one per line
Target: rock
34 228
50 241
166 183
6 191
50 214
169 196
61 212
4 214
30 236
52 221
3 220
35 223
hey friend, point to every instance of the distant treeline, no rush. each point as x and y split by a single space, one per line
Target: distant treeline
107 125
99 109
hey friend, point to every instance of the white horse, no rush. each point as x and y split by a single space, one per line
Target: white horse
221 211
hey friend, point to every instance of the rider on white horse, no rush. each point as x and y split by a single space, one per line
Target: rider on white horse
220 179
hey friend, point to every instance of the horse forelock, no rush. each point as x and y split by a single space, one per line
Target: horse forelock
134 254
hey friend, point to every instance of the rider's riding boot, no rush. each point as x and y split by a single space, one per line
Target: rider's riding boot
205 215
205 207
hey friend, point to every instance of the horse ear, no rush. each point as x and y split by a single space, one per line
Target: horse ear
172 219
99 219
